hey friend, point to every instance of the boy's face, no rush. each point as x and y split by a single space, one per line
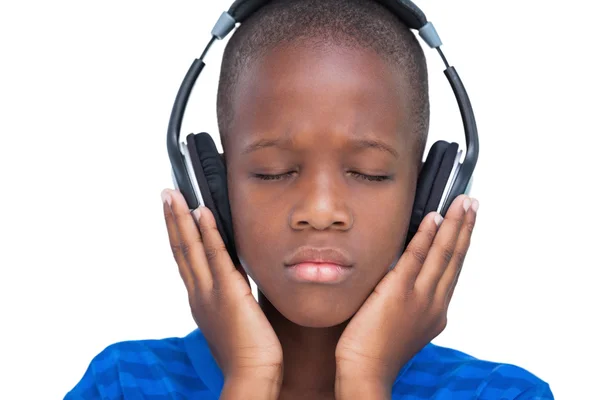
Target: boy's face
319 114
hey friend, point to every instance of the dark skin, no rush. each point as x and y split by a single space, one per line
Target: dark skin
336 168
303 96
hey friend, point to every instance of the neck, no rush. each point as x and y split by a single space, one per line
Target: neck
308 353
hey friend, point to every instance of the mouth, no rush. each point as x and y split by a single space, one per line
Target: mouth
327 265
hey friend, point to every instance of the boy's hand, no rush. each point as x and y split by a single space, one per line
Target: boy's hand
408 307
239 335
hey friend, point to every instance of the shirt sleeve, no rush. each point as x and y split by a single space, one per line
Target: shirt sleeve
509 382
100 380
538 392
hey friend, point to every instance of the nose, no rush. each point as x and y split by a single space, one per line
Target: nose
322 204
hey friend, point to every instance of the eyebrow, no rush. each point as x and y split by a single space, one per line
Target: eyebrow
375 144
358 144
262 144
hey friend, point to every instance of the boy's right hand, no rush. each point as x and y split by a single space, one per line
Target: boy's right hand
240 337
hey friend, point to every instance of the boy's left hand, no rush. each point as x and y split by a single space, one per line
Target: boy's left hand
408 308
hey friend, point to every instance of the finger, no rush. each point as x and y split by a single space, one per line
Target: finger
187 245
174 241
410 263
450 277
219 260
442 247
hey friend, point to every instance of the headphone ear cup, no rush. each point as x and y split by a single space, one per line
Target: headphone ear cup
431 183
424 184
211 175
441 179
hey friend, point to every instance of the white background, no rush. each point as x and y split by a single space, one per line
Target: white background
86 90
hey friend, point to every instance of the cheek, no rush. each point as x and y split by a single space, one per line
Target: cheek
383 227
390 222
258 230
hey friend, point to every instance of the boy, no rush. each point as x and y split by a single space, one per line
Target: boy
323 113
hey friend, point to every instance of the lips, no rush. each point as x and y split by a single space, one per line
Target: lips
312 255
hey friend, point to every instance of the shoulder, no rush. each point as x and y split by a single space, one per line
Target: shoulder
141 369
443 373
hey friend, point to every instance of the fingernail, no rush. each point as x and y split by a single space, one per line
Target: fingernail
438 219
467 204
166 196
196 215
475 205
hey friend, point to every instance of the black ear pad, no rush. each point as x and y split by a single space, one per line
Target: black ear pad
431 183
209 167
442 177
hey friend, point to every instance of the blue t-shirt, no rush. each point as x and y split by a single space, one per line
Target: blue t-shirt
184 368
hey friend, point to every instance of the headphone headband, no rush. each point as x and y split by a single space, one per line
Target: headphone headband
408 13
406 10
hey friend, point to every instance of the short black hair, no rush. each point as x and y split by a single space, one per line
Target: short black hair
353 23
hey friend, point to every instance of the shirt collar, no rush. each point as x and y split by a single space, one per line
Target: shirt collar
208 370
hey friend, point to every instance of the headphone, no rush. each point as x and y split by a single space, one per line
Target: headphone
198 169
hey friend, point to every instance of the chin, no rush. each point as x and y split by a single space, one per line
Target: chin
316 307
323 317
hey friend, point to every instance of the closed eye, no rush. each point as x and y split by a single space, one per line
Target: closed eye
370 178
277 177
357 175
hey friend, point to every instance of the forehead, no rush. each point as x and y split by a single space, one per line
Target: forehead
324 87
